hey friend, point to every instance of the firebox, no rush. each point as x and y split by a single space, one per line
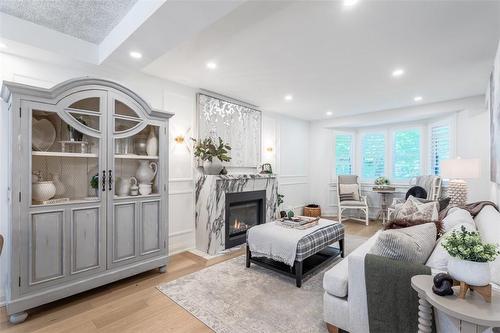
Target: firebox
243 211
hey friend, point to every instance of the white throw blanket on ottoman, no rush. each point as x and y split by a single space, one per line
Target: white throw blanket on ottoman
273 241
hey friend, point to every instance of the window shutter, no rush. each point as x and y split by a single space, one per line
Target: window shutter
440 147
373 156
406 154
343 154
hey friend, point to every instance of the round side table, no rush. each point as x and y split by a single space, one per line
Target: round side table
469 315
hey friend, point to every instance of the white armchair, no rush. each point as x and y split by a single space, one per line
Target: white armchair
347 184
431 184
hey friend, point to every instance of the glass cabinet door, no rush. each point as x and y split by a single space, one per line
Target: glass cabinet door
67 202
135 212
67 153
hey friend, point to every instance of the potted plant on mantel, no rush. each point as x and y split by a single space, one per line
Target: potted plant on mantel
212 154
470 257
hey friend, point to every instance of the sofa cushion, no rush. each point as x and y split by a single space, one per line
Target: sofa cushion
413 209
335 279
488 225
412 244
455 217
439 257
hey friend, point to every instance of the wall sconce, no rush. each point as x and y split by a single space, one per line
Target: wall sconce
179 139
269 149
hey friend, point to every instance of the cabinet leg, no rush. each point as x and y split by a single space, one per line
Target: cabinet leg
17 318
163 269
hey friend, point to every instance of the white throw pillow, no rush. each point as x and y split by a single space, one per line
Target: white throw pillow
456 217
439 257
488 225
350 188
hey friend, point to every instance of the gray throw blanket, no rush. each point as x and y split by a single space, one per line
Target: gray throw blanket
473 208
392 302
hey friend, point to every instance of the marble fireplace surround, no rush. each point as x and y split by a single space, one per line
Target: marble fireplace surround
210 210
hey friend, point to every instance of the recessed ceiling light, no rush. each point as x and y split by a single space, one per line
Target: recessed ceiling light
398 72
329 113
417 98
211 65
135 54
350 3
288 97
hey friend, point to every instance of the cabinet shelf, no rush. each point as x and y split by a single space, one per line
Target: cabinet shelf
61 154
136 157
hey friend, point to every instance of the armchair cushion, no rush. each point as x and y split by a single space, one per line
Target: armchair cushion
353 203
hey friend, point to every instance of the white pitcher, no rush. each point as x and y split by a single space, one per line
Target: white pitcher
146 172
123 185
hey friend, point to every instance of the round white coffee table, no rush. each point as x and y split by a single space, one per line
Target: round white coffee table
470 315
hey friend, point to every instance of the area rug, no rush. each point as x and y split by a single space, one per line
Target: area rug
230 298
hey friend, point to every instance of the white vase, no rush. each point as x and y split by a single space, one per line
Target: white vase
60 187
212 168
146 172
43 191
152 143
470 272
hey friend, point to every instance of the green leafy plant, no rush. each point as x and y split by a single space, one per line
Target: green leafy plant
382 181
207 149
467 245
94 181
280 199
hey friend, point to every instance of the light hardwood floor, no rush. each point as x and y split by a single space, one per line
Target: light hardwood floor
133 304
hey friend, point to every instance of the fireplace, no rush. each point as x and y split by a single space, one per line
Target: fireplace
243 211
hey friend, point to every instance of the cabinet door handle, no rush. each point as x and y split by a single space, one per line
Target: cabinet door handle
110 180
103 180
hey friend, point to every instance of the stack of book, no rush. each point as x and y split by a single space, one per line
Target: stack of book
299 222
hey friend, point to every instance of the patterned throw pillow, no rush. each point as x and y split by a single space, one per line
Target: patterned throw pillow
413 209
346 196
350 188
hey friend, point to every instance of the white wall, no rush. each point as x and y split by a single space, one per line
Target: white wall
288 137
471 138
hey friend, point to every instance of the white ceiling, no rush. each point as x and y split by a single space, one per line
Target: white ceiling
341 60
89 20
327 57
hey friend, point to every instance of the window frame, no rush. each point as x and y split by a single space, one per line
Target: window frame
353 151
422 144
361 135
448 121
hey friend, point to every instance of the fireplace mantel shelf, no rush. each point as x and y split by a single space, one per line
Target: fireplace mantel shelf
243 176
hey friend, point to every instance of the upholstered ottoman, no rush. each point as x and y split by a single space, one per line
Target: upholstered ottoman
312 251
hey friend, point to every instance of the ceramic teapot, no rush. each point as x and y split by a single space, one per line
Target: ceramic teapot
146 172
123 185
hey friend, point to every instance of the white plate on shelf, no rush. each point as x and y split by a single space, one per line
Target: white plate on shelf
43 134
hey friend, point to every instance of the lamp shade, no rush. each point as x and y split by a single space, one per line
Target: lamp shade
461 168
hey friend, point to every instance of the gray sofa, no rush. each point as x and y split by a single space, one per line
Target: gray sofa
345 305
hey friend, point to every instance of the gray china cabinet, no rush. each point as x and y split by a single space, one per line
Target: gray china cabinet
88 189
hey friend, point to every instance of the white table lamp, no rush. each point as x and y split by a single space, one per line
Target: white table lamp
456 170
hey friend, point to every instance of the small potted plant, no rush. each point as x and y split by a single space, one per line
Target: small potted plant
94 183
212 154
470 257
382 182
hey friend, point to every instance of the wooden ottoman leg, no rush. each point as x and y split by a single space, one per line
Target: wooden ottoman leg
249 256
341 245
298 273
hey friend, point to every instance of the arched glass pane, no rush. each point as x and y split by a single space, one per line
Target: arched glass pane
87 104
86 120
122 125
123 110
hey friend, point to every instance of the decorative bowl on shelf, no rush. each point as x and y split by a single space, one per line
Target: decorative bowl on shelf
43 191
140 145
43 134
